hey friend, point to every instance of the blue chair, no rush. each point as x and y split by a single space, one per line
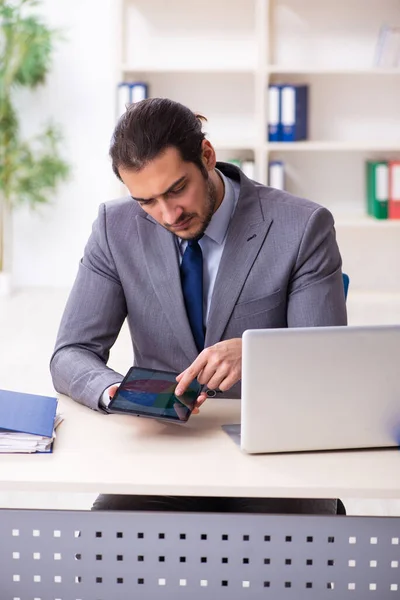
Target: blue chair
346 281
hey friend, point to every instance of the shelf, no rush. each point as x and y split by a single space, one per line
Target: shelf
333 146
210 69
307 146
232 144
283 69
364 221
126 69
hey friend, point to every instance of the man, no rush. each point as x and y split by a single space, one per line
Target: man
266 259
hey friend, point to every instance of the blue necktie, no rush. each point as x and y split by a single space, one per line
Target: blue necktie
192 288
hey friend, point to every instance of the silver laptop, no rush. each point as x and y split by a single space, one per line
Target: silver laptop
320 388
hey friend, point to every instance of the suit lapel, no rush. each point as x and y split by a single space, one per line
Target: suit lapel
245 237
246 234
160 255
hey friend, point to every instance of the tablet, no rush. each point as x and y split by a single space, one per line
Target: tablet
150 393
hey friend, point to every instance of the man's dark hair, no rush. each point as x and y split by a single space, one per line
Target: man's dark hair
149 127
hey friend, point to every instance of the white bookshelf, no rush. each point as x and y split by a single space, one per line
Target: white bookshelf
218 57
309 70
128 70
334 146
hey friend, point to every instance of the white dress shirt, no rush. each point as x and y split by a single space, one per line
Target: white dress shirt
212 245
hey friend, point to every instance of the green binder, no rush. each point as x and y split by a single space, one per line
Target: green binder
377 188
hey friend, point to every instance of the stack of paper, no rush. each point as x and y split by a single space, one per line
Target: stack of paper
27 422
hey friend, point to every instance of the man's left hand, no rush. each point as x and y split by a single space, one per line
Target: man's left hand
217 367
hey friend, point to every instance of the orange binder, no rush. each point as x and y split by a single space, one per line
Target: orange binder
394 189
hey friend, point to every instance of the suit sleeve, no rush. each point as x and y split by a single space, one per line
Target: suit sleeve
92 319
316 293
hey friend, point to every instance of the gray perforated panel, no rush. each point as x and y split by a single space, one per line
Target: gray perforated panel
68 555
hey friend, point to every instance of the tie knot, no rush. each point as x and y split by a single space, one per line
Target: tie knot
194 243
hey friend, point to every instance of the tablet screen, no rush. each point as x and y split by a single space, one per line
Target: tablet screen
150 393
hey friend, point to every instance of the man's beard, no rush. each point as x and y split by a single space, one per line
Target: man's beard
211 202
210 209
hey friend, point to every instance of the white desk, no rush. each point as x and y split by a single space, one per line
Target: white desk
127 455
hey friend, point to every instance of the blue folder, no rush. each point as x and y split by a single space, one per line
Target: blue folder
294 112
274 113
139 90
27 413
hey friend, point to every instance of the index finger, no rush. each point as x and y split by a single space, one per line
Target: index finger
186 377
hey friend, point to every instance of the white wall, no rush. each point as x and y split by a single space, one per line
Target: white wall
80 96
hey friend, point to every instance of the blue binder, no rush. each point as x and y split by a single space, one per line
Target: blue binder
27 413
294 112
274 113
276 174
139 90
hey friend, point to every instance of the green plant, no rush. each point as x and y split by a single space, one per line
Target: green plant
29 170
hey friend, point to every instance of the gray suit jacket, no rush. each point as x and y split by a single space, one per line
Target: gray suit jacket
281 267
